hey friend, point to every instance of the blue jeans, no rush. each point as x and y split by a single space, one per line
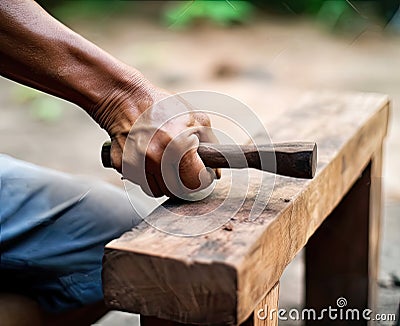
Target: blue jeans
53 228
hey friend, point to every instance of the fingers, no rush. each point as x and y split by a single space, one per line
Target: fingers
176 169
207 135
192 172
163 159
153 186
117 146
202 119
190 176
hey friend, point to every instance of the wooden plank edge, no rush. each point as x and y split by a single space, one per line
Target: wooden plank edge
214 283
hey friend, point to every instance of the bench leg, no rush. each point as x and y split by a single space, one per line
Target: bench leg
266 312
342 256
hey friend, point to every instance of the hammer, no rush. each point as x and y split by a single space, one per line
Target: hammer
295 159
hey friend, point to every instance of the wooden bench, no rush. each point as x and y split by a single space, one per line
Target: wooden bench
225 276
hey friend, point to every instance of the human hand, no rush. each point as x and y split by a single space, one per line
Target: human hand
155 138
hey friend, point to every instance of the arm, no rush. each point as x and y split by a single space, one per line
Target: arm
38 51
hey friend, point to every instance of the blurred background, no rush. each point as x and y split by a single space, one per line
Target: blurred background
257 51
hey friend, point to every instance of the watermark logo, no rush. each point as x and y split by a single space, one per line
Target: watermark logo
340 312
341 302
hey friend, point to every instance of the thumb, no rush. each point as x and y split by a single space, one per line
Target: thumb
192 172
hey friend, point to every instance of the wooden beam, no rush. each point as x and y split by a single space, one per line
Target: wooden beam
375 222
221 276
266 312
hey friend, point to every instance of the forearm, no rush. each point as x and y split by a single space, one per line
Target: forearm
39 51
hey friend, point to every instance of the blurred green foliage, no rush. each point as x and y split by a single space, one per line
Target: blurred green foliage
220 12
334 14
384 8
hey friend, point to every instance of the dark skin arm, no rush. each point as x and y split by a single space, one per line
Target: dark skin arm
39 51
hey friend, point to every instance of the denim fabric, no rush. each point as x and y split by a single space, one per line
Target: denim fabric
53 228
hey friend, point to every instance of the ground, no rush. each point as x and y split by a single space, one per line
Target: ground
243 61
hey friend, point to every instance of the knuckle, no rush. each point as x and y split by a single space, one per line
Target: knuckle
203 119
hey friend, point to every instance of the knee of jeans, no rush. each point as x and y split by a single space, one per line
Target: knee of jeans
111 207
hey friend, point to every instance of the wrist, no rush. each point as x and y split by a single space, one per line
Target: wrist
108 90
121 101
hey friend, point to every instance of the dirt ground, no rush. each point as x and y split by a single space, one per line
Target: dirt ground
243 61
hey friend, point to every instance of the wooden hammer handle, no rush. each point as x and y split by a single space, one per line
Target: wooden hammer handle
297 159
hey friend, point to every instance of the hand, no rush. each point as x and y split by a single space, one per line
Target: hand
155 138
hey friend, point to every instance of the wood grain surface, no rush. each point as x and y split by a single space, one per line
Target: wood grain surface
220 277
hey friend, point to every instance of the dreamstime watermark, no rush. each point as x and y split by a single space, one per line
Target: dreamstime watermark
340 312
